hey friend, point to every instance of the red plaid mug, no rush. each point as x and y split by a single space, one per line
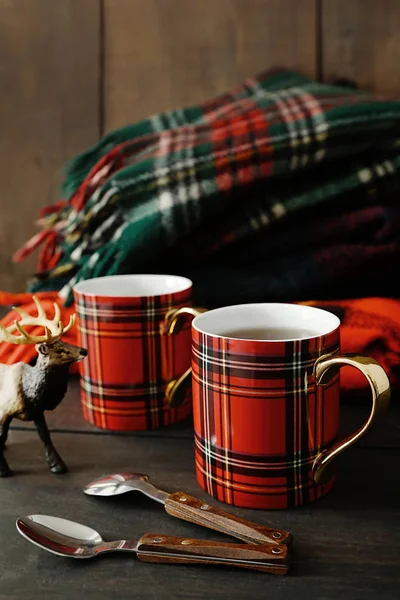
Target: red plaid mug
266 388
131 367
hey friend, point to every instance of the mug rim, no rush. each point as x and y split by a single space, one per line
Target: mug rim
198 321
84 286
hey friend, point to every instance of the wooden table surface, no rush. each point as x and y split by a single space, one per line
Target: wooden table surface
347 545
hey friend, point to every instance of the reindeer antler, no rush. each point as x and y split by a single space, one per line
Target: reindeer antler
53 327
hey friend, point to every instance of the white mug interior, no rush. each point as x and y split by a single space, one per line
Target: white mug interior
278 322
133 286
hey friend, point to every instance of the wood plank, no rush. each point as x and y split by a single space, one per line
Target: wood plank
49 110
164 54
346 545
360 42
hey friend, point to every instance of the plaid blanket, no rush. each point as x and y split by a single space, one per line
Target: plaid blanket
283 188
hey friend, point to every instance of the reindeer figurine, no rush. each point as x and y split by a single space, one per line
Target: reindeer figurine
27 391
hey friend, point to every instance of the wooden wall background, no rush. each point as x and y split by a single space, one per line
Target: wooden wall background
71 70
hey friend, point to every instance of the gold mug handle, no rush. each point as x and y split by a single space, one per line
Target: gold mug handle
177 388
325 368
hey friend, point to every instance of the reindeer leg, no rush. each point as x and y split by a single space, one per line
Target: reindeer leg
5 470
55 462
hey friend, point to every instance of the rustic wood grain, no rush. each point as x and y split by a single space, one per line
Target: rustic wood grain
360 41
346 544
153 547
163 54
183 506
49 110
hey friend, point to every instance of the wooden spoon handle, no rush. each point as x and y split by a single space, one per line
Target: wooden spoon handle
169 549
186 507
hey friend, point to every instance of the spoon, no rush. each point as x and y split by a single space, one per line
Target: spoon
69 539
186 507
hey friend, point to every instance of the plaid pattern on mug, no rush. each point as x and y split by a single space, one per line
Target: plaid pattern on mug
129 362
260 419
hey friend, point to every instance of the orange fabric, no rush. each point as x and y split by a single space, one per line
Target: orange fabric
370 326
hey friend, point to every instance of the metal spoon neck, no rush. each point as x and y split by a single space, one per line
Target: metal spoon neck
120 545
150 490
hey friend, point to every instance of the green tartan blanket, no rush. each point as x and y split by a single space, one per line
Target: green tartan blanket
227 191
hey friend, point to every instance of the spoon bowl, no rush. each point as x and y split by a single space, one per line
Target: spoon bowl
113 485
61 536
120 483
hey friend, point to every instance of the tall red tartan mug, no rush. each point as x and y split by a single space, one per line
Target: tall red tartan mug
131 365
265 381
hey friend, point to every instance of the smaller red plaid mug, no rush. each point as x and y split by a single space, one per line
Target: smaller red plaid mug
131 365
266 389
